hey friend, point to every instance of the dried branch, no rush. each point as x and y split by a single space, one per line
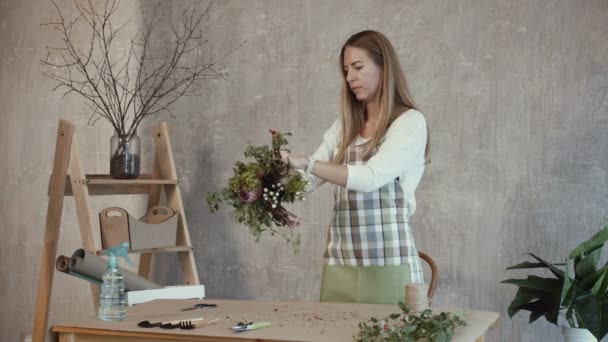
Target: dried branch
141 81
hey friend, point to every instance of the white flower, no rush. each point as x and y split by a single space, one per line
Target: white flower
265 189
274 206
271 193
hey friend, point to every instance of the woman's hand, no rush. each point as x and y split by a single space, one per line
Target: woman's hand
297 160
332 173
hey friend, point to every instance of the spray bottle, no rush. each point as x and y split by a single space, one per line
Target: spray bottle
112 300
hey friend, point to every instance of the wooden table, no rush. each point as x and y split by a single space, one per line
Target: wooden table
291 321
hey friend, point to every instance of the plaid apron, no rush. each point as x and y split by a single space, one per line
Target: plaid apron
371 229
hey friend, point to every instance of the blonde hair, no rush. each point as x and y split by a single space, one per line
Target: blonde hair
393 94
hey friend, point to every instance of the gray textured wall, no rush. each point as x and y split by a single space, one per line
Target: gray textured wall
515 93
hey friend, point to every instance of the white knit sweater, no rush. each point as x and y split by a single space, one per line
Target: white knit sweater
401 154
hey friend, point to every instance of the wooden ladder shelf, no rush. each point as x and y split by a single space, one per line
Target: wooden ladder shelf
68 179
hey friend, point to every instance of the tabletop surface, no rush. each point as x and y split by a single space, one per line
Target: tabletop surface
291 321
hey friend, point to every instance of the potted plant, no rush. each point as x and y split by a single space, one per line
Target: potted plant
124 79
578 291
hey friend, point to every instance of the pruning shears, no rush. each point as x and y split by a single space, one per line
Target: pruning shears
247 326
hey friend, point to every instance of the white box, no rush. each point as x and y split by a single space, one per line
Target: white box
168 292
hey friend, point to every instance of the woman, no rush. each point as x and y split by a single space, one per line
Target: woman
375 154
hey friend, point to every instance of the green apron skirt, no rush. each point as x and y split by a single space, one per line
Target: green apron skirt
364 284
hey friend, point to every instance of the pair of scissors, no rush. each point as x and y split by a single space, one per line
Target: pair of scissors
200 306
247 326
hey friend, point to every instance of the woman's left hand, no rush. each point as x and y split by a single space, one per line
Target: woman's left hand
298 161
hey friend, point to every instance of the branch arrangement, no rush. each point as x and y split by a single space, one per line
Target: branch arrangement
125 85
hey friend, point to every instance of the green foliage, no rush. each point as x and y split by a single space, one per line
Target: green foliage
578 292
408 326
258 189
245 176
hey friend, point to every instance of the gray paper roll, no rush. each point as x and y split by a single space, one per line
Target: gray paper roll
93 266
62 266
62 263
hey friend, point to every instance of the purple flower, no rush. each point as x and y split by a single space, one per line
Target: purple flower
250 195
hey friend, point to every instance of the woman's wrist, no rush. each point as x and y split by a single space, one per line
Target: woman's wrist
299 162
310 165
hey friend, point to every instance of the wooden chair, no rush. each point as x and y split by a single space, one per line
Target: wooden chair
433 266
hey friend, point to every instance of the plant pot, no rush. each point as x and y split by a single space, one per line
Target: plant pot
124 156
577 335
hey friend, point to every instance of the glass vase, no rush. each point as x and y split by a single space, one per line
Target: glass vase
125 151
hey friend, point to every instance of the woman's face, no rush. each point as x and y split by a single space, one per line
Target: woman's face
362 74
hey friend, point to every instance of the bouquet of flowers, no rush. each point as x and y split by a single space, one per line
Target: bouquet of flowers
258 190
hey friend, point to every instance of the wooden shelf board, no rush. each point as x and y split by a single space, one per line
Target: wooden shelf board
106 185
143 179
157 250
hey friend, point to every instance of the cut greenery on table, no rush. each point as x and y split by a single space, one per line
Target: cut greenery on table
410 326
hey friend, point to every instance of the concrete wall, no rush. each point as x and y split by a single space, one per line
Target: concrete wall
515 93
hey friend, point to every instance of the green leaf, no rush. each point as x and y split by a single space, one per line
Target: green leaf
213 200
595 242
534 316
588 264
403 307
550 309
556 271
522 297
590 280
550 285
539 303
566 294
600 289
570 306
569 290
552 316
527 264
